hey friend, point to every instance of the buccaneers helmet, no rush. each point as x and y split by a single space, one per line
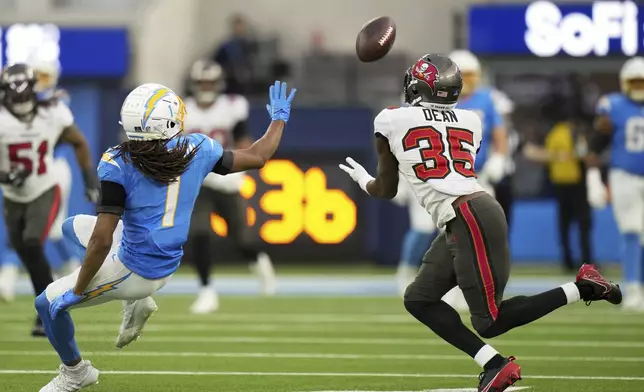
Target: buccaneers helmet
207 81
433 81
17 83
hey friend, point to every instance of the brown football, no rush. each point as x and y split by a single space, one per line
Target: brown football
375 39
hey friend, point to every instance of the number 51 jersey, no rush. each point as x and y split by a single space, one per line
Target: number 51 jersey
436 152
31 146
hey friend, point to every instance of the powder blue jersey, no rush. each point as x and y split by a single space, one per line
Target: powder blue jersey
157 217
482 103
627 117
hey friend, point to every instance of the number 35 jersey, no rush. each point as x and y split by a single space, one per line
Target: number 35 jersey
30 146
157 216
436 152
627 117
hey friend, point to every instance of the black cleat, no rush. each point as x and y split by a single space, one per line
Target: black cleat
38 330
501 378
602 289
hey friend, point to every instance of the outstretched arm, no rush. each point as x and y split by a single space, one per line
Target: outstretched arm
255 156
385 185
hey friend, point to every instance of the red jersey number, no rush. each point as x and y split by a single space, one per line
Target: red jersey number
17 156
435 157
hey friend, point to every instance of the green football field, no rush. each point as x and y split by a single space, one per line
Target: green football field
322 344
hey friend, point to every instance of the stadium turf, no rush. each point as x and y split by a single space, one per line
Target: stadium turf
322 344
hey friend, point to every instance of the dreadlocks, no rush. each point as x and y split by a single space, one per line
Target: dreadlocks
154 160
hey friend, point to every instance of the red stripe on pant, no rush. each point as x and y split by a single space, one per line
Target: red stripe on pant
481 259
53 213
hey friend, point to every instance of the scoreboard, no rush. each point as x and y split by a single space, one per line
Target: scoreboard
301 207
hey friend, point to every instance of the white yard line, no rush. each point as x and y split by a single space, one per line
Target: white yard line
311 374
339 318
406 330
429 341
455 357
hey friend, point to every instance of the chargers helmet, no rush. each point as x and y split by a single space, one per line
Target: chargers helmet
47 74
206 81
631 78
152 112
433 81
17 83
470 67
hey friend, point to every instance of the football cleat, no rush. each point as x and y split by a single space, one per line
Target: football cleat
72 380
207 301
265 272
501 378
135 315
602 289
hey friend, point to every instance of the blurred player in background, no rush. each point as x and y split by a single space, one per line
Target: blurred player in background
420 234
152 181
620 124
29 130
434 145
492 160
61 259
223 118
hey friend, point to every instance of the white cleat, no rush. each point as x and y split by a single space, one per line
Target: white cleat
207 302
8 279
135 315
73 379
265 272
405 276
633 298
456 300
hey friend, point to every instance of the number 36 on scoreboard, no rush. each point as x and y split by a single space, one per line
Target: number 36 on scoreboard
294 202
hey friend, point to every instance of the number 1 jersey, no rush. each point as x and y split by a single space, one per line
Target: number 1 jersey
157 216
436 152
30 146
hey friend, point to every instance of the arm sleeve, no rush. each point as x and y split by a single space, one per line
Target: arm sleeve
225 164
112 200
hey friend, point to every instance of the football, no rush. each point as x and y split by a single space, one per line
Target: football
375 39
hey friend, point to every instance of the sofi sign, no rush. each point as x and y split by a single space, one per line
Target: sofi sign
546 29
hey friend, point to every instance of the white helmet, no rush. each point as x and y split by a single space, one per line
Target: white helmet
470 66
47 74
466 61
632 69
152 112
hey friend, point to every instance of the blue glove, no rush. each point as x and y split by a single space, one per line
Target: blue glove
63 302
280 106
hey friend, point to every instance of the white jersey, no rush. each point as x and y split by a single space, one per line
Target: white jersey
218 121
436 151
31 146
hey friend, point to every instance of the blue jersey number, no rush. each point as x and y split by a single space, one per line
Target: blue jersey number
635 134
171 202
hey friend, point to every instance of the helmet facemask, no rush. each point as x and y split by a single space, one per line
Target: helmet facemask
634 89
